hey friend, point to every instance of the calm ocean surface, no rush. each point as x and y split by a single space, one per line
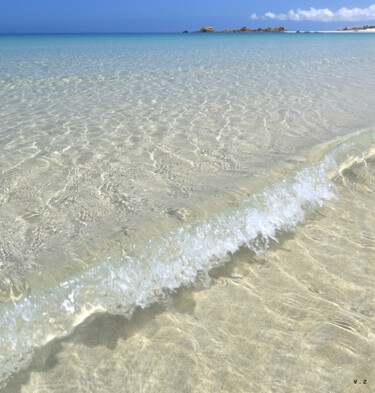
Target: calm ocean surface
228 178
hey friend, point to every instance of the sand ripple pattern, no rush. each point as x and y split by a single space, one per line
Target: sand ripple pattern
100 135
107 141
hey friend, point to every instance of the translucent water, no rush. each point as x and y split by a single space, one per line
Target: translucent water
131 164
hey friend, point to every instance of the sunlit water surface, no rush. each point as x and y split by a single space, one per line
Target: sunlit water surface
133 165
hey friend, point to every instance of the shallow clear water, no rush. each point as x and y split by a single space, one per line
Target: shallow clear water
133 164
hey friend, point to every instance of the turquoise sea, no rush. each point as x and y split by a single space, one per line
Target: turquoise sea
187 212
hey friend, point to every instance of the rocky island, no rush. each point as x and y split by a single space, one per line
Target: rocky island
210 29
367 27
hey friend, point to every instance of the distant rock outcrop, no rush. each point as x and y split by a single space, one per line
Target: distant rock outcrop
210 29
279 29
206 29
366 27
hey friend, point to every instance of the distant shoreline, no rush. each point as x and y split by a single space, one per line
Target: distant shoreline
245 29
281 29
335 31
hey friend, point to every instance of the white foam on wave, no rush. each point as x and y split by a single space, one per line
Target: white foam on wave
160 266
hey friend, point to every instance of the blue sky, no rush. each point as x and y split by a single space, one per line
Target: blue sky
79 16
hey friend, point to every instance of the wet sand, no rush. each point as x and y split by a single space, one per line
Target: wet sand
298 318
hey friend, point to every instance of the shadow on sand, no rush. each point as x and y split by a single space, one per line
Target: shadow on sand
104 329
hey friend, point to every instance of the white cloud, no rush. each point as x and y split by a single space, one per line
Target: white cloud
323 14
270 15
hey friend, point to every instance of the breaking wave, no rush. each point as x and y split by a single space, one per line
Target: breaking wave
162 265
